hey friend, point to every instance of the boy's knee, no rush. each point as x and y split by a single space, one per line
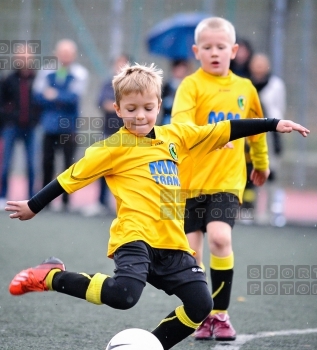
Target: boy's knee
121 293
201 309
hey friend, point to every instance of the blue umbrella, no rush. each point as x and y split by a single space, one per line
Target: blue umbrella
173 38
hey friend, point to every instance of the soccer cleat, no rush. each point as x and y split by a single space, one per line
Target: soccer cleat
203 332
221 327
33 279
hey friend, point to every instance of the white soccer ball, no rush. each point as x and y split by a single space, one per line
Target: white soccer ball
134 339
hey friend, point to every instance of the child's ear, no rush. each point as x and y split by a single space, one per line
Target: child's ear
235 49
195 51
117 109
159 106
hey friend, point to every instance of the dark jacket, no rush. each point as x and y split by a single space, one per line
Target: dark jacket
112 123
13 87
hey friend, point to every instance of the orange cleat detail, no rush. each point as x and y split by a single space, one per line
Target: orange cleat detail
33 279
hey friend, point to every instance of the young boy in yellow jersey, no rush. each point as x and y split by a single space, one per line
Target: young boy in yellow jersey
211 94
147 240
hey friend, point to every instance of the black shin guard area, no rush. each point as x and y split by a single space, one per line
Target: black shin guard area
222 298
71 283
171 331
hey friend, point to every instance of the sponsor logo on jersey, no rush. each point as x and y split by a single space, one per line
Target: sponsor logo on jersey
215 117
164 172
172 149
241 102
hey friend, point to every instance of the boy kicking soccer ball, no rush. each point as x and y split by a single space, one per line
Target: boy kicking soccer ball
147 242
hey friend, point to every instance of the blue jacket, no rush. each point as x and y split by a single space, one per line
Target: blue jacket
59 115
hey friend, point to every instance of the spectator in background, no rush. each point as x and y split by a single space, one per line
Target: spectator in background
1 127
179 70
59 93
272 93
112 123
241 66
20 116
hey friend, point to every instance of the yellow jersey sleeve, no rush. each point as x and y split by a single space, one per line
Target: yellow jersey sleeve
95 164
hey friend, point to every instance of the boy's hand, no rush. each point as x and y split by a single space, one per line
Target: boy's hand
21 210
288 126
228 145
258 177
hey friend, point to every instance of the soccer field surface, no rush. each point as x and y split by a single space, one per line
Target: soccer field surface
270 265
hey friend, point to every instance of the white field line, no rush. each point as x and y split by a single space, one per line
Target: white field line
244 338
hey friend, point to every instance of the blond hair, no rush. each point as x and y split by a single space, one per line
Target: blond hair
137 79
216 23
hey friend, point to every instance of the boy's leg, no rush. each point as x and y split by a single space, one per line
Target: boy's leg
177 273
121 291
69 149
48 158
9 135
194 225
29 142
182 322
219 231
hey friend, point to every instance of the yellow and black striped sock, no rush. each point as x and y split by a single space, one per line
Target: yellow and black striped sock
175 327
221 272
79 285
49 278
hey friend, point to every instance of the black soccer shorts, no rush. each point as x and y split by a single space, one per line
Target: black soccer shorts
165 269
199 211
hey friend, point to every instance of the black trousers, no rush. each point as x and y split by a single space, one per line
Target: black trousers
51 144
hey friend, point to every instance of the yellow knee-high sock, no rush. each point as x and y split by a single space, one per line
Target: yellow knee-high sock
221 272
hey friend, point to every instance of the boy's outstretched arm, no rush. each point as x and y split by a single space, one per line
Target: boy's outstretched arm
27 209
247 127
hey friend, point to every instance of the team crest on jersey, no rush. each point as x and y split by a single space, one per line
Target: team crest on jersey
172 149
241 102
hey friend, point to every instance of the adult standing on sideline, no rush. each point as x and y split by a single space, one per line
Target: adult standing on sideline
59 93
20 116
240 66
1 127
272 93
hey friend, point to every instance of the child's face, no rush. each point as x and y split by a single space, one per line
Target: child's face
139 112
214 50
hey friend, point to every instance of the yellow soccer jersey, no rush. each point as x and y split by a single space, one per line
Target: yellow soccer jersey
202 99
142 174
